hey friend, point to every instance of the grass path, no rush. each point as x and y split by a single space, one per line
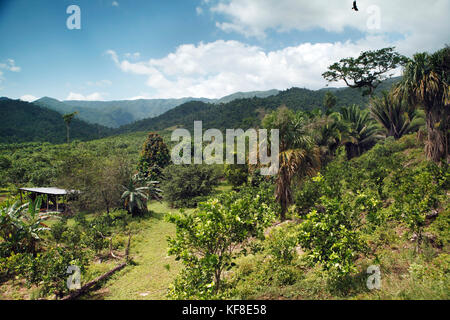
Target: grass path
149 278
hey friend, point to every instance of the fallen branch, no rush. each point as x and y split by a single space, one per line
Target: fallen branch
92 283
84 289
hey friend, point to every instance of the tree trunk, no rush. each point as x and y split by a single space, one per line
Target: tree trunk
68 134
436 147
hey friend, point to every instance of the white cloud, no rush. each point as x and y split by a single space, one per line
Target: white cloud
101 83
135 55
424 24
28 97
143 96
96 96
9 65
219 68
199 11
115 4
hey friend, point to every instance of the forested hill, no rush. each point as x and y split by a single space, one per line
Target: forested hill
245 113
24 122
114 114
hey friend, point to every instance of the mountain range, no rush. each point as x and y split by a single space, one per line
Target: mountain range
42 120
114 114
248 112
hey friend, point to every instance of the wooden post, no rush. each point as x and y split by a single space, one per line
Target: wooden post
56 201
21 201
47 203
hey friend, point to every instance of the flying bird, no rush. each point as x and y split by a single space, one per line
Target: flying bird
354 6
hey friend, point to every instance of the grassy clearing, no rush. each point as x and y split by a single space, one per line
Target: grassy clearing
154 270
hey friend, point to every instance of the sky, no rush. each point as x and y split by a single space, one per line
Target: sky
131 49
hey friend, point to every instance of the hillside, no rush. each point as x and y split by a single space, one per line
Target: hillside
26 122
375 196
245 113
114 114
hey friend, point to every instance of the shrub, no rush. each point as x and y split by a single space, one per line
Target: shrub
415 193
49 269
182 184
281 245
207 241
236 174
332 237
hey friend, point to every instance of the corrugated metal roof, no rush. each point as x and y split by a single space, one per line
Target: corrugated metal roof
52 191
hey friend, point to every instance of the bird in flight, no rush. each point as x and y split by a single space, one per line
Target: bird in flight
354 6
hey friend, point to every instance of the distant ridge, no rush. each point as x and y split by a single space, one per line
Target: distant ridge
26 122
247 112
114 114
23 121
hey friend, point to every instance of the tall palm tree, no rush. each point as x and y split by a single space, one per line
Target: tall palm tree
425 84
396 117
298 156
68 120
363 131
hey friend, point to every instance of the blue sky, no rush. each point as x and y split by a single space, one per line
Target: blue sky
203 48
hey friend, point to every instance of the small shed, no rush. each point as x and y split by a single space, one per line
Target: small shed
52 196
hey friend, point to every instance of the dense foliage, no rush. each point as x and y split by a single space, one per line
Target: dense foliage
208 240
248 113
25 122
154 157
186 185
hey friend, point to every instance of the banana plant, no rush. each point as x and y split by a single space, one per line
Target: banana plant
23 224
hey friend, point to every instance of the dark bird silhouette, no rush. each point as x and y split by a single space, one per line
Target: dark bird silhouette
354 6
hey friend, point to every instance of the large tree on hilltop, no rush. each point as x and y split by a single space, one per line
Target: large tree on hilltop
366 71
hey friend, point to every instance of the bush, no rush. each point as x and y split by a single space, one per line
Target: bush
49 269
183 184
206 241
332 237
236 174
416 192
281 245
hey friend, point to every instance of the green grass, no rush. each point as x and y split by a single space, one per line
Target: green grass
149 279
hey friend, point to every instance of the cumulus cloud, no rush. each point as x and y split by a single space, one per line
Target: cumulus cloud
219 68
10 65
96 96
115 4
424 24
28 98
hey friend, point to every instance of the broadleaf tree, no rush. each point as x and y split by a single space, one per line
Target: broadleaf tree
366 71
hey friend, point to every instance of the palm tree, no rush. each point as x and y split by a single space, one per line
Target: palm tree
68 119
363 131
329 132
396 117
135 197
425 84
299 156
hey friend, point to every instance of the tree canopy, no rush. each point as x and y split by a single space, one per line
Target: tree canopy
366 71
